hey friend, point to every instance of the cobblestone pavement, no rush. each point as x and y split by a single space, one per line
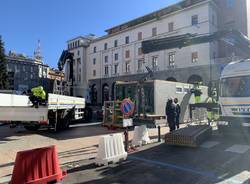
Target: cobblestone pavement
76 144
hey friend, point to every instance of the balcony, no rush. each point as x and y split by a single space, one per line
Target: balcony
115 74
172 66
140 71
155 68
106 75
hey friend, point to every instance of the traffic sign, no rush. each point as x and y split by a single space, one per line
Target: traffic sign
127 107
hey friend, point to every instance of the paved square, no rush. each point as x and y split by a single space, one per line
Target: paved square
209 144
237 148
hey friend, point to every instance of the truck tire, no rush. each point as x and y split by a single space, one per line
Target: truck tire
66 123
32 127
88 114
62 124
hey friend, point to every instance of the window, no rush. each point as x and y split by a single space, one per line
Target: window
235 87
24 68
214 55
79 69
79 77
127 67
75 43
94 61
154 62
170 27
127 54
140 36
106 70
105 46
116 56
127 40
116 69
154 31
230 3
78 52
139 51
106 59
171 59
213 19
78 43
140 63
94 50
179 89
94 73
186 89
78 61
194 57
116 43
194 20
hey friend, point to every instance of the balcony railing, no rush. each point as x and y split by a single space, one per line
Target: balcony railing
155 68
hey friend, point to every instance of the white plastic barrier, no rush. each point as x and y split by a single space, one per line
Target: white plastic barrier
111 149
141 136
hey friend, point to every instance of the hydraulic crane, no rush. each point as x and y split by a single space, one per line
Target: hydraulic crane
232 37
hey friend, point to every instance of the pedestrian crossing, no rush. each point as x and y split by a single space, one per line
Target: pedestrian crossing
234 148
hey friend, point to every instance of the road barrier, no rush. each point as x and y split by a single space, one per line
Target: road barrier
37 166
110 149
141 136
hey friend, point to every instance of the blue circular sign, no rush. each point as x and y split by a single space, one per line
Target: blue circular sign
127 107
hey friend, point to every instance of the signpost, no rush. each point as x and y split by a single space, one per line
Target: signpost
127 107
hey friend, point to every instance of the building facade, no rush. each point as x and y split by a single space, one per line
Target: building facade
78 46
25 73
118 55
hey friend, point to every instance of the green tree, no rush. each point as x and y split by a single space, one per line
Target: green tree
3 63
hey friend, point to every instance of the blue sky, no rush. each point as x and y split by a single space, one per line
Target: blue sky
54 22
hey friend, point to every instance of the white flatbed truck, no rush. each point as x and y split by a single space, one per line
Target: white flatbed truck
57 113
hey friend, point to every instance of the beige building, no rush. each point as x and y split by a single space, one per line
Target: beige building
100 61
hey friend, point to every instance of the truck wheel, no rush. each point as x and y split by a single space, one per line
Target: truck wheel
32 127
88 114
66 123
62 125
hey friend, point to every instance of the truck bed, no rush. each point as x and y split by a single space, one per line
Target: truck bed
23 114
19 107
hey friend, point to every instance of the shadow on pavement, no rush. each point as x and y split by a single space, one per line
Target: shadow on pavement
7 165
171 164
78 132
79 152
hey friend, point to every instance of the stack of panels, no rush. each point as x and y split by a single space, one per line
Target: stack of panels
191 136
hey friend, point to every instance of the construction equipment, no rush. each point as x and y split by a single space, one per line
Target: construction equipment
232 37
191 136
234 95
58 112
150 99
91 110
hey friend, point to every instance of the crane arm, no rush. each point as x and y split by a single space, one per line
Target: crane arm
232 37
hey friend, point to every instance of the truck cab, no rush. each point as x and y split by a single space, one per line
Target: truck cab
235 92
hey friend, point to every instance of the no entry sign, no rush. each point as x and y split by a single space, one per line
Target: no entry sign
127 107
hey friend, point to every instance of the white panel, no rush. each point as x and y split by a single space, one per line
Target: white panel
23 114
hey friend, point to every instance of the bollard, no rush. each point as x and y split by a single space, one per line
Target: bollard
126 139
159 134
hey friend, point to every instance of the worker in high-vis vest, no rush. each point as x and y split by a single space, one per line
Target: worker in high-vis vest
38 96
